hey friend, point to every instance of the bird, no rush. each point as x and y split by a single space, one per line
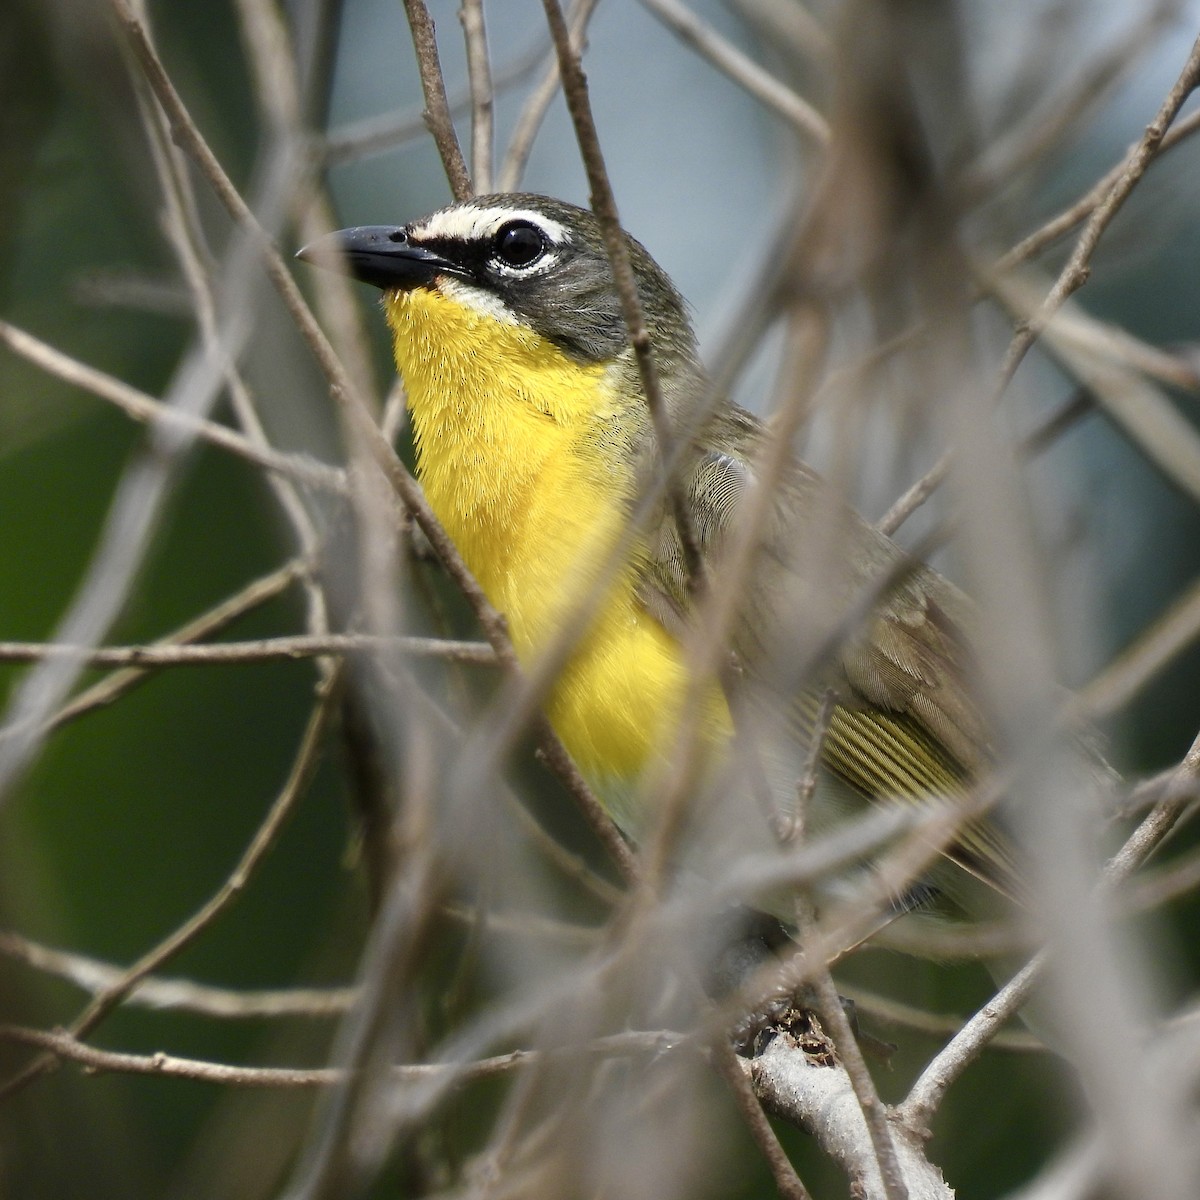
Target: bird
534 443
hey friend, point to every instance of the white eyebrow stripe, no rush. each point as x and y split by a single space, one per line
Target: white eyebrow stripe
470 222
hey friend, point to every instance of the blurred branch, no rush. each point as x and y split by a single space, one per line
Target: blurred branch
1118 371
927 1093
1118 184
183 935
116 685
64 1046
94 976
273 649
479 73
357 140
1154 649
1077 270
908 503
354 409
882 1150
186 995
604 205
733 1070
1027 143
146 409
772 93
908 1016
520 144
1089 202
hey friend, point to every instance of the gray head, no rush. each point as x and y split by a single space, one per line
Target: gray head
525 258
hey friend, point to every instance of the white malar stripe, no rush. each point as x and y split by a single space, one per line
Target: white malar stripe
477 299
469 222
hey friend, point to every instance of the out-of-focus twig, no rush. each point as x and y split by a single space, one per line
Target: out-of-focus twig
354 408
1029 142
62 1045
479 72
274 649
1076 271
1087 204
520 144
927 1093
185 995
1154 649
140 407
773 94
185 934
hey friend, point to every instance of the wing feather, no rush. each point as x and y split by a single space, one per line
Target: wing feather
905 723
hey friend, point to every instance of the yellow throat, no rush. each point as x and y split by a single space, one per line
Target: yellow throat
518 454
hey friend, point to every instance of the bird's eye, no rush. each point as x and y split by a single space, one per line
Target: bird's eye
520 244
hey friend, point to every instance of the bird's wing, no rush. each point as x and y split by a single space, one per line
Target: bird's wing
890 637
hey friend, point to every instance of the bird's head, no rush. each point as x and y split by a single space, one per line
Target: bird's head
521 260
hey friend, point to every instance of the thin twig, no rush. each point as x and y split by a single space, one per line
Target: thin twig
183 935
62 1045
923 1020
1120 182
267 43
538 104
1030 142
806 786
1075 274
1154 649
184 995
772 93
101 694
389 131
833 1016
962 1050
479 72
916 495
729 1067
437 108
1062 224
165 654
150 411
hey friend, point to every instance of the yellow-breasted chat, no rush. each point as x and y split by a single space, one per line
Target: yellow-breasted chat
534 443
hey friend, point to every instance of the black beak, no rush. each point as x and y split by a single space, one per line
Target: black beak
381 255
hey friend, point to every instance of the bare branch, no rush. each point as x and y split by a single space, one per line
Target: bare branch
1151 652
1075 274
733 1071
1087 204
186 995
389 131
771 93
818 1096
437 108
927 1093
265 650
63 1046
116 685
530 121
479 72
149 411
260 845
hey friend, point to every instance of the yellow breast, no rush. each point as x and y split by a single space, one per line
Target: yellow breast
518 454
